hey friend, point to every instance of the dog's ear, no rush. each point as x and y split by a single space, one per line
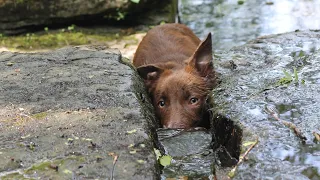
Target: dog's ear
202 58
149 73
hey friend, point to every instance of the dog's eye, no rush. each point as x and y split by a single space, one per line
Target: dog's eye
161 103
194 100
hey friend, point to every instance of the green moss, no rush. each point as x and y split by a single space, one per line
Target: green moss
77 158
39 116
14 176
38 167
240 2
288 78
56 39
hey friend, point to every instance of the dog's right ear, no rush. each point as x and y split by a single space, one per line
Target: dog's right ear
202 58
149 73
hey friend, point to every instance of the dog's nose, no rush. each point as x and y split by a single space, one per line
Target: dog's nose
175 125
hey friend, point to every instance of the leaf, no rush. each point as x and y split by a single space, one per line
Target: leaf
284 81
66 171
23 137
132 131
10 64
131 145
165 160
248 143
140 161
288 76
301 54
316 136
157 152
232 173
240 2
162 22
142 145
295 72
135 1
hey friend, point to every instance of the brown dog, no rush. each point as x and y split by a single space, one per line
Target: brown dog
178 73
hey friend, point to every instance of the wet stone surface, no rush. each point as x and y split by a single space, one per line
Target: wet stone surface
191 152
260 89
66 114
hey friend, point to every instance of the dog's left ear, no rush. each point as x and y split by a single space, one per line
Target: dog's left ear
150 74
202 59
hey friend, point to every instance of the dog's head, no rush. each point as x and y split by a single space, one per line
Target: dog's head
179 92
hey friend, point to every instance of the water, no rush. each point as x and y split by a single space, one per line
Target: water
233 23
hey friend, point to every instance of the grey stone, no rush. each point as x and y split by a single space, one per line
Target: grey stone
252 94
65 114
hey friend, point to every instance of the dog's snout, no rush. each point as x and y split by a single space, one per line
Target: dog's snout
175 125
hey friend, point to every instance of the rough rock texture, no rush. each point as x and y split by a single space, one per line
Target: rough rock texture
256 92
191 153
17 15
65 114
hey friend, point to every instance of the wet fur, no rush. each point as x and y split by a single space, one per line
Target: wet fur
177 69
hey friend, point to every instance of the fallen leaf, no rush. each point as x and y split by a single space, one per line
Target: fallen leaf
157 152
316 136
111 154
165 160
140 161
142 145
66 171
10 64
132 131
130 146
248 143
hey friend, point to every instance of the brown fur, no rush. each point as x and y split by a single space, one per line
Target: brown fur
178 73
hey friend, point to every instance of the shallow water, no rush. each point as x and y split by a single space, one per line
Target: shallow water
233 23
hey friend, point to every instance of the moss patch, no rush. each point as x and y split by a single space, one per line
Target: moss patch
39 116
48 39
15 175
39 167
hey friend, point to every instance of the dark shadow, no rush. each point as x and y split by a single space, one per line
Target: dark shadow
227 138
